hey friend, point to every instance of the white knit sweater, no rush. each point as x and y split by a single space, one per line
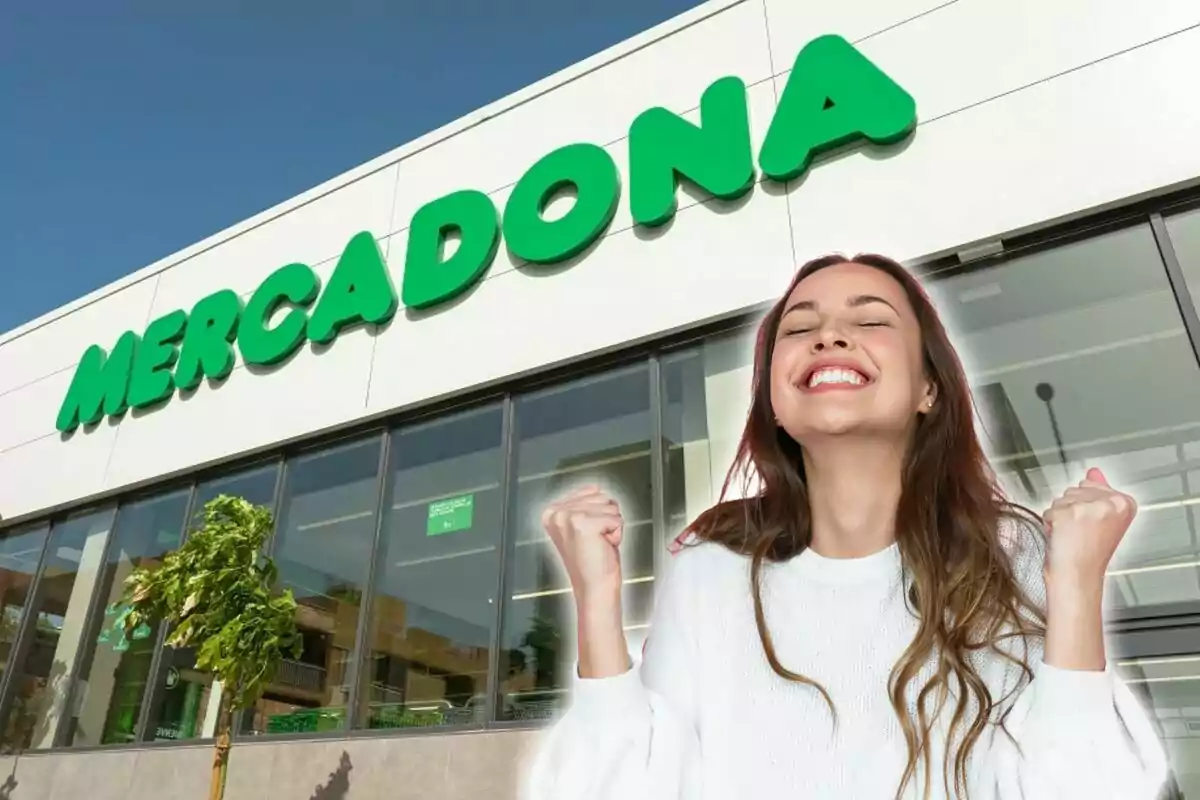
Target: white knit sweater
705 718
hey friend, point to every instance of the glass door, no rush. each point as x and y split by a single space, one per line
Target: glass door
1169 688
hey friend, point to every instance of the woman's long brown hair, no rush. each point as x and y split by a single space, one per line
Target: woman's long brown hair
960 576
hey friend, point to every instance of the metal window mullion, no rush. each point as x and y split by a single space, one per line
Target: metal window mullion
153 690
276 503
657 465
1186 305
25 628
1183 297
366 604
89 619
508 488
237 720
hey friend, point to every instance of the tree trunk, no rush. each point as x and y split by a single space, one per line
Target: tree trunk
216 790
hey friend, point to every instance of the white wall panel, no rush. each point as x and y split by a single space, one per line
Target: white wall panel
50 472
975 50
596 107
1095 136
29 412
250 410
632 285
309 234
58 346
793 24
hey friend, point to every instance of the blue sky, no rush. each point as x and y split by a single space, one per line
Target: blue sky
130 130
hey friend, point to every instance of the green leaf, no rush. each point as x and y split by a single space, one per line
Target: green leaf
216 594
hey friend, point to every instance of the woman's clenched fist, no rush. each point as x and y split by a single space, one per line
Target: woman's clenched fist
1085 525
586 527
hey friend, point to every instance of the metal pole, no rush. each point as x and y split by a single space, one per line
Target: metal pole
1175 276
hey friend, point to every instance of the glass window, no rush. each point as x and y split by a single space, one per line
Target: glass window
1170 688
323 541
112 679
705 395
255 485
435 597
687 453
592 431
1184 230
183 705
1078 357
20 551
74 558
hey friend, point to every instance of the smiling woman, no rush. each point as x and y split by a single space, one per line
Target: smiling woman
839 329
908 612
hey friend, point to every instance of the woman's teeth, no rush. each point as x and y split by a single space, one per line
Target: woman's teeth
836 375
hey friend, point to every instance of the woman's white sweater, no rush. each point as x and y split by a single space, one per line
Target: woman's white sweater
705 718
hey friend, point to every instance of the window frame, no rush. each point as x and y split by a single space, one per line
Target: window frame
26 630
96 607
270 550
1137 630
508 531
23 639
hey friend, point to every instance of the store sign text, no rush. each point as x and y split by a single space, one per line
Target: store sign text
834 97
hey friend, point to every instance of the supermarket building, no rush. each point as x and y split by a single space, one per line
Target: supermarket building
408 360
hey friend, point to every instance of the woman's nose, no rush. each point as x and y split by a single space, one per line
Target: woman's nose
831 340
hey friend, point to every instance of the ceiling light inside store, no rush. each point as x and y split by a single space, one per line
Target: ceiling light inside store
567 590
1164 679
1116 573
979 293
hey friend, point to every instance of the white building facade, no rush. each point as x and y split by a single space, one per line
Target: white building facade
405 362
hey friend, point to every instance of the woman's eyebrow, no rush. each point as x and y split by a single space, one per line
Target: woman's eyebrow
856 301
867 299
802 305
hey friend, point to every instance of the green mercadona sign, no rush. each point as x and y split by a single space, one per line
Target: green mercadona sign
834 97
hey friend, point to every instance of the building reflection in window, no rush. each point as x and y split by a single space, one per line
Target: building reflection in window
20 551
112 678
431 624
705 397
324 534
1170 689
1050 339
593 431
72 565
183 704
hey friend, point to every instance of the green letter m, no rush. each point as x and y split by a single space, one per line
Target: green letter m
99 385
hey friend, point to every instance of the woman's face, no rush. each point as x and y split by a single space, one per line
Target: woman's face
848 357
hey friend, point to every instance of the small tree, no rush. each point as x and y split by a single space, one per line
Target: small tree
217 594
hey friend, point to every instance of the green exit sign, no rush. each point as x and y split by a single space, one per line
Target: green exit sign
451 514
